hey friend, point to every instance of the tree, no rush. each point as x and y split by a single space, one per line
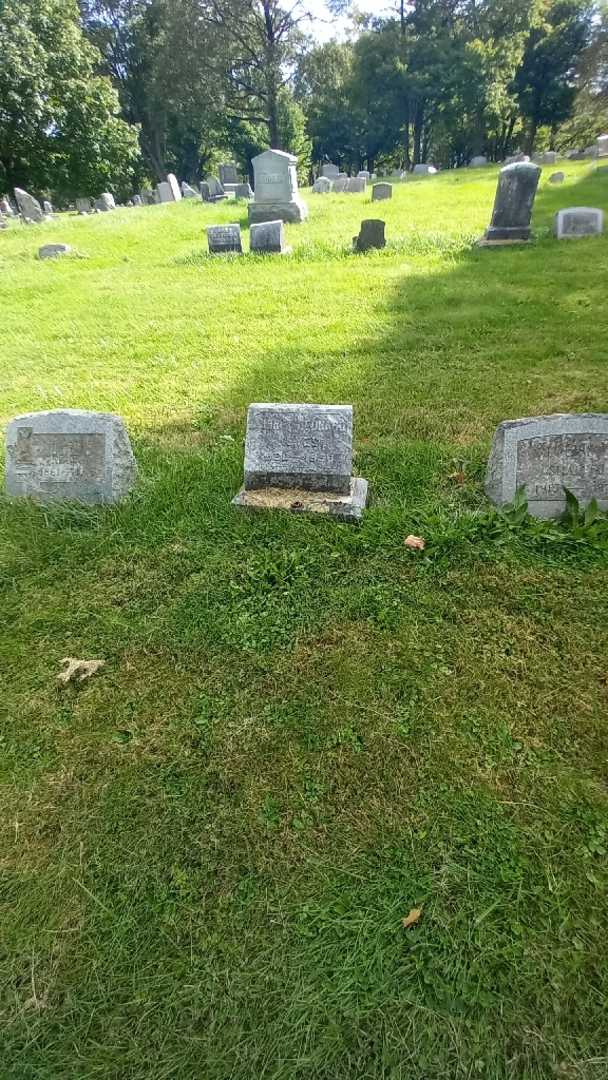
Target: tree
60 128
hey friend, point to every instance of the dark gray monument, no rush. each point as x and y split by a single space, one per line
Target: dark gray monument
513 204
224 239
53 251
382 191
69 455
299 458
544 455
371 235
268 237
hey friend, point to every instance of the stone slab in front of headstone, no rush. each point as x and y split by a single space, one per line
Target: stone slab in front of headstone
105 202
322 185
478 161
301 446
69 455
276 192
215 187
52 251
382 191
371 235
544 455
557 178
330 170
224 239
29 207
268 237
576 221
229 174
513 203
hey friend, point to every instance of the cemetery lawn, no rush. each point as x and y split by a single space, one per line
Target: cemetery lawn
303 730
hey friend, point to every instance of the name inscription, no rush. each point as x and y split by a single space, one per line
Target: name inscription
60 458
547 464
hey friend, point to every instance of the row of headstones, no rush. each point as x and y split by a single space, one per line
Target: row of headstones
299 457
323 185
512 213
268 237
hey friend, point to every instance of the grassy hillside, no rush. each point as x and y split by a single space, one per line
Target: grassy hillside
303 729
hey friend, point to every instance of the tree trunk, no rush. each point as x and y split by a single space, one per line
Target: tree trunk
530 137
418 126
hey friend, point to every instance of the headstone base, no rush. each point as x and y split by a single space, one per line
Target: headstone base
292 212
298 501
508 236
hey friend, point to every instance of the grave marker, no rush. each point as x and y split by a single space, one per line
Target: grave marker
575 221
29 207
224 239
382 191
268 237
276 192
371 235
513 204
322 185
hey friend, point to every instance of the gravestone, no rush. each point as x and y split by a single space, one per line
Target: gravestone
243 191
575 221
224 239
276 189
340 185
330 171
189 192
382 191
69 454
216 190
364 173
29 207
164 192
517 159
52 251
229 174
137 200
602 145
590 151
342 176
268 236
148 197
205 192
544 455
513 204
6 208
355 185
299 458
557 178
175 188
424 170
46 206
105 202
371 235
230 190
478 161
322 185
548 157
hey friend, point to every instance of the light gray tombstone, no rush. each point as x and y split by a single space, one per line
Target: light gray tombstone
164 192
84 205
339 185
602 145
356 185
299 458
29 207
229 174
175 188
424 170
6 208
216 190
147 197
544 455
189 192
276 189
590 151
230 190
365 174
557 178
47 207
548 157
517 159
224 239
576 221
137 200
52 251
513 204
342 176
105 202
322 185
243 191
268 237
69 455
382 191
371 235
330 171
478 161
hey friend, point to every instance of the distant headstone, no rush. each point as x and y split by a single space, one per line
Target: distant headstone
276 189
229 174
557 178
355 185
105 202
517 159
299 458
175 188
513 204
590 151
322 185
371 235
189 192
424 170
224 239
216 190
329 170
602 145
164 192
382 191
69 454
544 455
29 207
342 176
548 157
47 207
6 208
477 161
205 192
243 191
365 174
575 221
340 184
230 190
52 251
268 237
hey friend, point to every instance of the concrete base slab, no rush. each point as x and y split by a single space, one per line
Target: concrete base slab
343 507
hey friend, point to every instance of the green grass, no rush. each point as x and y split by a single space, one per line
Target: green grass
303 729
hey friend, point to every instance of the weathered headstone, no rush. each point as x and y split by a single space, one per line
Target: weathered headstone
137 200
365 174
548 157
216 190
356 185
340 185
224 239
544 455
189 192
175 188
591 151
299 458
513 204
105 202
322 185
557 178
602 145
47 207
6 208
517 159
243 191
52 251
478 161
29 207
268 237
575 221
69 454
164 192
148 197
276 189
382 191
229 174
329 170
424 170
371 235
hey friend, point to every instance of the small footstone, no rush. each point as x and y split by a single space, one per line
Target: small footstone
576 221
69 455
371 235
52 251
224 239
269 237
544 455
382 191
299 458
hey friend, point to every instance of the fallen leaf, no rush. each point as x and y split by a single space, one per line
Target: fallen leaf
457 477
415 542
412 918
78 669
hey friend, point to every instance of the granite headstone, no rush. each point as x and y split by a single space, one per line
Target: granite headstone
268 237
371 235
513 204
224 239
382 191
29 207
576 221
276 192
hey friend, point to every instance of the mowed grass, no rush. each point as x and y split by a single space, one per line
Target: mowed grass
303 730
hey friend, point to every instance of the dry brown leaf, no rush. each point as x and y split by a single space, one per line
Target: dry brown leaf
458 477
412 918
415 542
78 669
